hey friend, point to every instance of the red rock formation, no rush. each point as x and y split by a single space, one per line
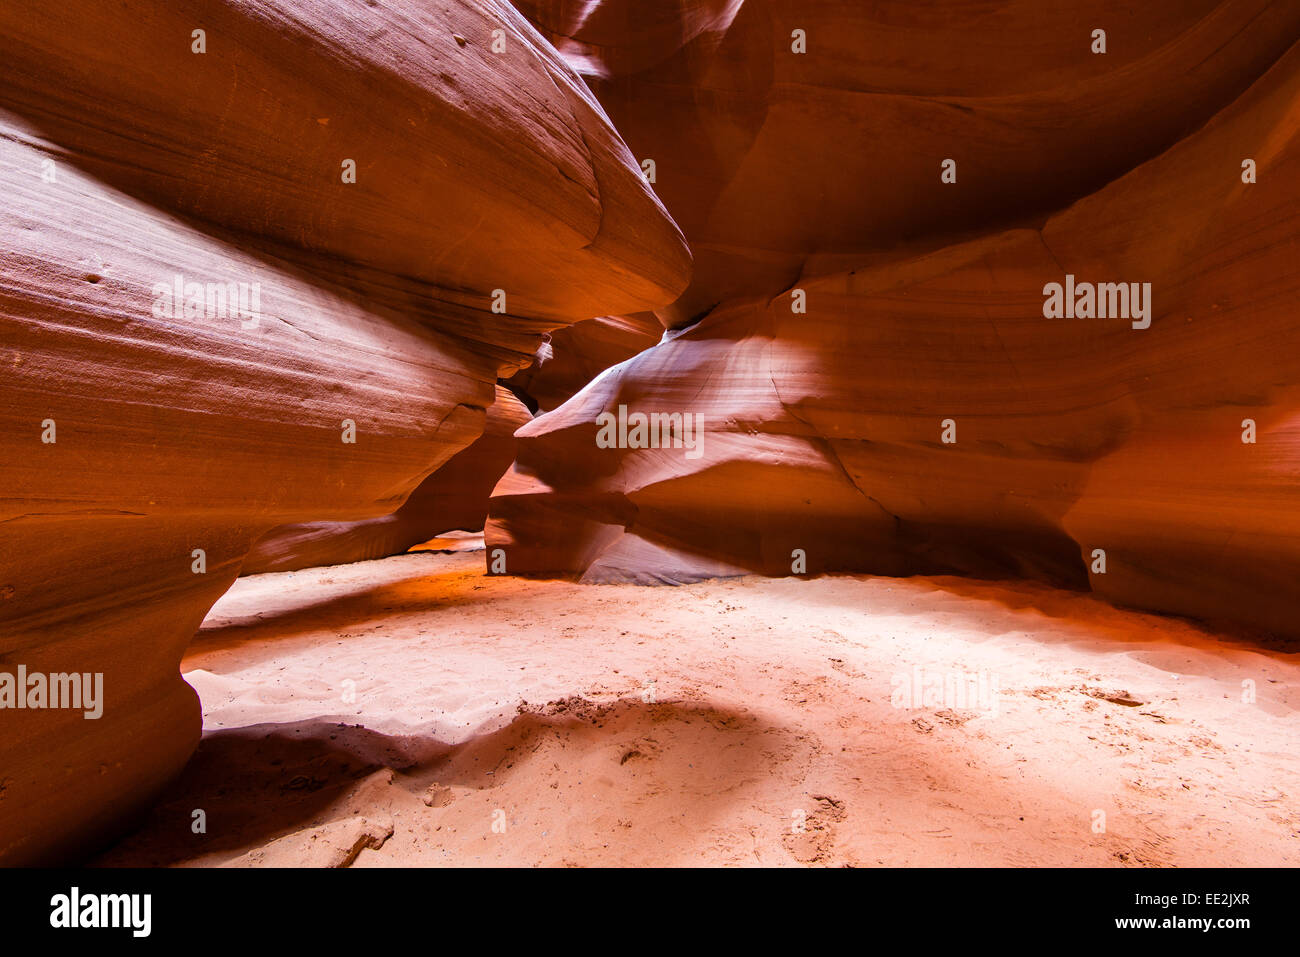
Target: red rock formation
173 440
578 353
453 497
824 430
549 209
766 157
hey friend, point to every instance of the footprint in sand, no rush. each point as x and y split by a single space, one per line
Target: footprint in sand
438 795
814 843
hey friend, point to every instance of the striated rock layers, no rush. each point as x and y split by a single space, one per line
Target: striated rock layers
767 157
454 497
262 263
875 384
578 353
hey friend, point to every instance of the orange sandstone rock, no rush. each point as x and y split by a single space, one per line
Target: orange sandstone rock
332 344
767 157
911 409
578 353
453 497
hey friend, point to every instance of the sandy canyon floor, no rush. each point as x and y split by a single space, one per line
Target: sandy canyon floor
413 711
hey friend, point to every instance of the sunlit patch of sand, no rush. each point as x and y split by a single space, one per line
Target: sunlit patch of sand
743 721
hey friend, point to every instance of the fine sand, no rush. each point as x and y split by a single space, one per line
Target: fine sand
414 711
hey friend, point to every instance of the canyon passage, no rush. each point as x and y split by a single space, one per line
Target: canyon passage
576 423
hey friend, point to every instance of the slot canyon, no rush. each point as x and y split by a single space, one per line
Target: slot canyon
673 433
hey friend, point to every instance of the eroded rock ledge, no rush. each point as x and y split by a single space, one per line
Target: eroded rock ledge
824 445
455 497
143 449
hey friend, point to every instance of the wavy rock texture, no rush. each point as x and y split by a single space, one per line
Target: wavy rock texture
453 497
127 159
578 353
509 149
767 158
456 496
924 303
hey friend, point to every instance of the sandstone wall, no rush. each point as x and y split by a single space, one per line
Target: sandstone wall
454 497
824 429
127 159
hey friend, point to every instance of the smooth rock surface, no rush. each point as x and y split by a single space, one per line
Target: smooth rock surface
578 353
127 160
823 447
475 170
767 158
453 497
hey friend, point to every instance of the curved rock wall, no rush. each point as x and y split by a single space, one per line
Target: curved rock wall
578 353
767 157
146 438
882 391
453 497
